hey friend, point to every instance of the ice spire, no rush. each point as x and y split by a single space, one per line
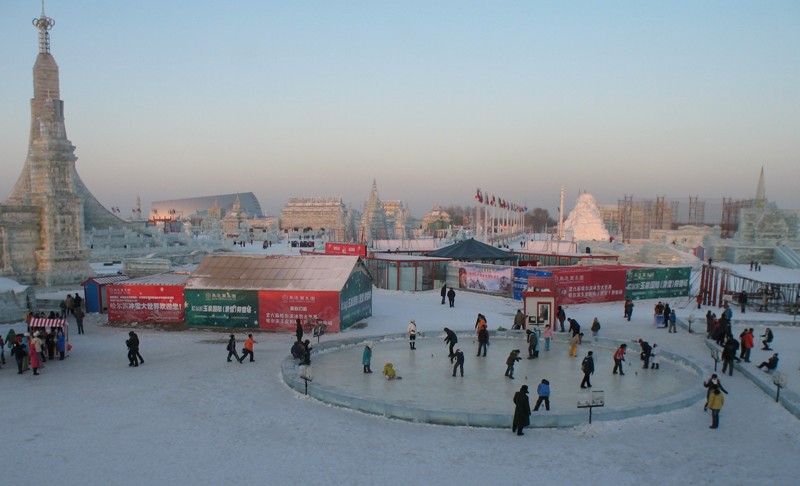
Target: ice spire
761 193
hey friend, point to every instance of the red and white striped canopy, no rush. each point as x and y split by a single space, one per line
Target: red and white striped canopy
43 322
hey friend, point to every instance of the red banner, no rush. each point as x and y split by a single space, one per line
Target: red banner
145 303
587 285
346 249
278 310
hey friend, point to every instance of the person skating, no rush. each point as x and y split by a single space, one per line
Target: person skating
451 339
390 373
483 340
232 348
412 334
248 349
513 357
533 343
587 366
712 382
770 364
451 297
522 411
459 360
366 358
645 355
573 344
715 402
654 361
619 357
543 390
548 336
595 328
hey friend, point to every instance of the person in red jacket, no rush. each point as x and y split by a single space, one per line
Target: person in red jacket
248 349
619 357
747 345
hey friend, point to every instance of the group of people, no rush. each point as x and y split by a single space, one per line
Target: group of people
450 295
31 351
301 349
247 349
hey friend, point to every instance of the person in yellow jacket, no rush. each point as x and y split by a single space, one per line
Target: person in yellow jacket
715 402
389 372
248 349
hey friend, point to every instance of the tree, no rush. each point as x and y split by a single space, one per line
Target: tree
538 220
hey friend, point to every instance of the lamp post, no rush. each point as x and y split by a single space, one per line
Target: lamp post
779 379
307 374
715 357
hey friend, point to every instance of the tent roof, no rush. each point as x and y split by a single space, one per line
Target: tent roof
283 272
472 249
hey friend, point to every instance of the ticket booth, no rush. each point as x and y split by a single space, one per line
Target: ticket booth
540 307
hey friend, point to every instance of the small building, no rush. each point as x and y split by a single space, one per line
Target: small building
272 292
155 298
400 271
94 291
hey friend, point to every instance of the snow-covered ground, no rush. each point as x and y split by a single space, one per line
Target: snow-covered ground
188 417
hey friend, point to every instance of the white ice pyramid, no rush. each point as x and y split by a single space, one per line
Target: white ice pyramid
585 222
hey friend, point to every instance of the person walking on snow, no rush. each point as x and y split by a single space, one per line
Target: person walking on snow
366 358
451 339
459 358
561 316
619 357
444 292
628 309
519 320
533 343
79 315
451 296
712 382
673 320
232 348
522 411
543 390
298 331
412 334
715 402
248 349
587 366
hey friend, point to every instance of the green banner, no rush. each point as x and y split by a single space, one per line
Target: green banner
222 308
657 283
355 300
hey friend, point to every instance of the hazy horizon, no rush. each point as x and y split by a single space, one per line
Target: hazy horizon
430 99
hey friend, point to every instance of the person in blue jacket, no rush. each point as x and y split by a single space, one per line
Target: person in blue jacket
543 390
366 358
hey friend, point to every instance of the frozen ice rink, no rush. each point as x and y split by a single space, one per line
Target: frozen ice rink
427 382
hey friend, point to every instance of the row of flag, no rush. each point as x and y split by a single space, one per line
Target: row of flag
498 202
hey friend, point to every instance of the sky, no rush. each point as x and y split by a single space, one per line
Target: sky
430 99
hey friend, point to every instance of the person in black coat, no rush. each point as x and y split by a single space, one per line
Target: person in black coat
451 339
729 354
133 349
483 341
588 368
299 331
451 296
18 352
459 358
574 327
232 348
522 410
561 316
646 350
444 293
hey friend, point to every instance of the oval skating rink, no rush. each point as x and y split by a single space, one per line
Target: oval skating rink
483 397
